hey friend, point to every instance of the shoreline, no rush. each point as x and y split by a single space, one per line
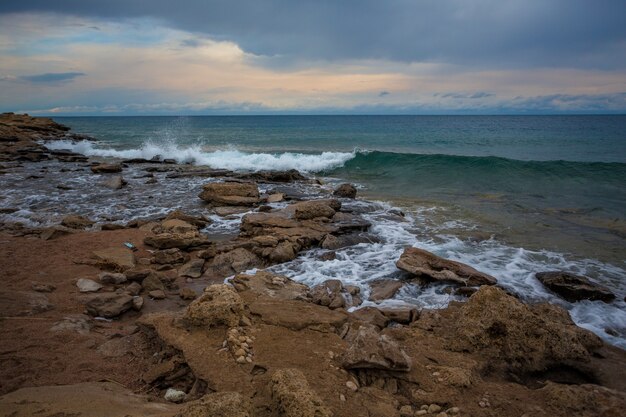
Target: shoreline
422 358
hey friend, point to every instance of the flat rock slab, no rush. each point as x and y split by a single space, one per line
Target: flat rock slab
118 257
95 399
574 287
297 315
422 263
384 289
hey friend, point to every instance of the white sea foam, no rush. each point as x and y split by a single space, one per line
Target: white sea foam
231 159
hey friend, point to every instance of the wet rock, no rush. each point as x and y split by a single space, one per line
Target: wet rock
170 256
76 222
106 168
177 240
111 278
227 211
231 193
109 305
218 305
87 285
192 269
197 221
230 263
371 350
116 257
293 397
345 191
423 263
574 287
384 289
275 198
177 226
291 175
115 183
307 210
218 404
519 337
283 252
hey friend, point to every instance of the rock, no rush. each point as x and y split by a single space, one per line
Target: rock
293 397
332 242
197 221
406 411
176 240
275 198
587 400
109 305
78 323
352 386
192 269
519 337
218 305
187 294
134 288
152 283
157 294
177 226
433 408
370 350
106 168
111 278
115 183
87 285
76 222
402 315
307 210
574 287
42 287
345 191
170 256
117 257
275 286
112 226
371 315
174 396
297 314
423 263
218 404
274 176
227 211
232 262
329 294
137 303
137 274
55 232
384 289
23 303
283 252
231 193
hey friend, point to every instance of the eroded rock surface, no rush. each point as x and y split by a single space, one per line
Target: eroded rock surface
574 287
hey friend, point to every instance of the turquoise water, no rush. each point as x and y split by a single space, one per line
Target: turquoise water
543 182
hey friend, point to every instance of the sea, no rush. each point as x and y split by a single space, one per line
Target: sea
509 195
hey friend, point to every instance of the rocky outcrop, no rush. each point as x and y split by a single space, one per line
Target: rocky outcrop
293 397
574 287
520 337
177 240
371 350
231 193
219 305
108 305
422 263
197 221
345 191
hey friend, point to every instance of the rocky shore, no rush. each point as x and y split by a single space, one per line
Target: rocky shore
157 317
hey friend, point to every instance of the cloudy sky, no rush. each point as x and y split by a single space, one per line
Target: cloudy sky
121 57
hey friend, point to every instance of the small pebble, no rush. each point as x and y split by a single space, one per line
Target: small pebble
424 407
433 408
453 410
421 413
436 373
443 414
174 395
242 339
248 359
406 411
352 385
342 397
241 359
482 404
248 340
240 352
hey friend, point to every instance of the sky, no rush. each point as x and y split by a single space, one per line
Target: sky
188 57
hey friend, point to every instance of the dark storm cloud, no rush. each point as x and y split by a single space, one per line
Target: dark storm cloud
494 33
52 77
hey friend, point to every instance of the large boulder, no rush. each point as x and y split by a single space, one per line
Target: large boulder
422 263
232 262
231 193
218 404
345 191
219 305
176 240
574 287
109 305
371 350
522 338
293 397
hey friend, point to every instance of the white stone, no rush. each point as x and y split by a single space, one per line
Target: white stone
351 385
174 395
87 285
